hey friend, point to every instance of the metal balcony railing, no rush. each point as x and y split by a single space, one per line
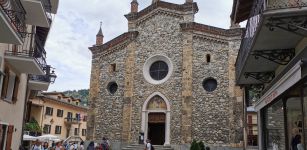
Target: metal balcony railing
35 51
41 78
72 120
255 17
16 15
249 35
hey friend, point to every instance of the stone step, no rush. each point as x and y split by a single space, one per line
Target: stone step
141 147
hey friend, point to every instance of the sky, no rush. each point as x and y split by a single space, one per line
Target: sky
77 22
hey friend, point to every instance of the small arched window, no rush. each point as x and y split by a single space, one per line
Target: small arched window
208 58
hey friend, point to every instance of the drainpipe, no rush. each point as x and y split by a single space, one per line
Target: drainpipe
24 110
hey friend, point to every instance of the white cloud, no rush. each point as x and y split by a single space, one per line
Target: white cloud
76 25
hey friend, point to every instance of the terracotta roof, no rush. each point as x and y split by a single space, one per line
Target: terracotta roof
160 4
210 29
62 102
120 39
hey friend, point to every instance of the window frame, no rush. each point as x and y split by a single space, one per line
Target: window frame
61 113
83 132
58 130
48 127
49 113
76 132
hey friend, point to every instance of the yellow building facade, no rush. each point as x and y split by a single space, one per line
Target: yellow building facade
59 115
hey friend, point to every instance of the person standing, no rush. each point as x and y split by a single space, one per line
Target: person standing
45 146
148 145
37 145
91 146
81 146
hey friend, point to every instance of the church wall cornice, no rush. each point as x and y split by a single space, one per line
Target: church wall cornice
114 44
186 7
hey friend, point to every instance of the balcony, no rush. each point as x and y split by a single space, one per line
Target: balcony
12 22
273 30
37 12
42 82
70 121
30 58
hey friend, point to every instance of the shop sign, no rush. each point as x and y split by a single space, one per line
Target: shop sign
287 81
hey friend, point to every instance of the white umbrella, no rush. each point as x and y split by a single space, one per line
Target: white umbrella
48 137
29 138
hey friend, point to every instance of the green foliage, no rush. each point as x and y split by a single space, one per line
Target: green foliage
82 94
198 146
195 145
201 145
33 126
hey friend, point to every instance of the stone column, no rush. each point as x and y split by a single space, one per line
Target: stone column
186 119
93 96
128 95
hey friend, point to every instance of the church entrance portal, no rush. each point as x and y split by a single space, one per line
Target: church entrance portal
156 128
156 119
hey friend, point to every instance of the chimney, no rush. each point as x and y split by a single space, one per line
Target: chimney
155 1
99 36
188 1
134 6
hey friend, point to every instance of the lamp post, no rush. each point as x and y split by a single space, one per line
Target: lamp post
52 77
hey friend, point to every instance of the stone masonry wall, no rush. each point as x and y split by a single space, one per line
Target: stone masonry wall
159 35
109 107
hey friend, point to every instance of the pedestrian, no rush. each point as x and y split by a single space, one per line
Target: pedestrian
300 145
148 145
45 146
75 146
81 146
58 146
71 147
37 145
53 144
91 146
104 144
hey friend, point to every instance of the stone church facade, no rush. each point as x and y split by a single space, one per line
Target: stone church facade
168 77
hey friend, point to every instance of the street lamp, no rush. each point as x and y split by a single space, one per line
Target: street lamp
52 77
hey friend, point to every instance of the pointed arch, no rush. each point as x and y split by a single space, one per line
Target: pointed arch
144 108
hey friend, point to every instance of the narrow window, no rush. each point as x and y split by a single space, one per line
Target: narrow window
208 58
113 67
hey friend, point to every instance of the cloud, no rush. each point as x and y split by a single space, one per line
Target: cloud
77 22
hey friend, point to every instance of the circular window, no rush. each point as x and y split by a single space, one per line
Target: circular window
158 70
210 84
112 87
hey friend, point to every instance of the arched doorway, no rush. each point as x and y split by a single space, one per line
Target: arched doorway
156 119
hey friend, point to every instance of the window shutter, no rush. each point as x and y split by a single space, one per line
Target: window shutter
16 87
5 82
9 137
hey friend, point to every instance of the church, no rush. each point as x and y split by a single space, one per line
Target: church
167 78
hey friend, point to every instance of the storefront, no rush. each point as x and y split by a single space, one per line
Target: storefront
283 111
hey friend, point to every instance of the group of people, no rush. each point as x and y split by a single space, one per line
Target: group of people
57 146
104 145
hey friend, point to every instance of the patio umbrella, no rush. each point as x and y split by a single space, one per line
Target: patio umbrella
48 137
29 138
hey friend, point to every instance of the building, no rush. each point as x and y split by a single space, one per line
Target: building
252 128
272 63
24 27
169 78
59 115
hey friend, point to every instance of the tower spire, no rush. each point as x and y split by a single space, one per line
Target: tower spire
99 36
134 6
154 1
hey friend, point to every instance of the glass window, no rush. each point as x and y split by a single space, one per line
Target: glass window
210 84
158 70
305 110
274 126
112 87
294 120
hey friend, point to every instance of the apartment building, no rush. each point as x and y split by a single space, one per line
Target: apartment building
272 62
24 27
59 115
